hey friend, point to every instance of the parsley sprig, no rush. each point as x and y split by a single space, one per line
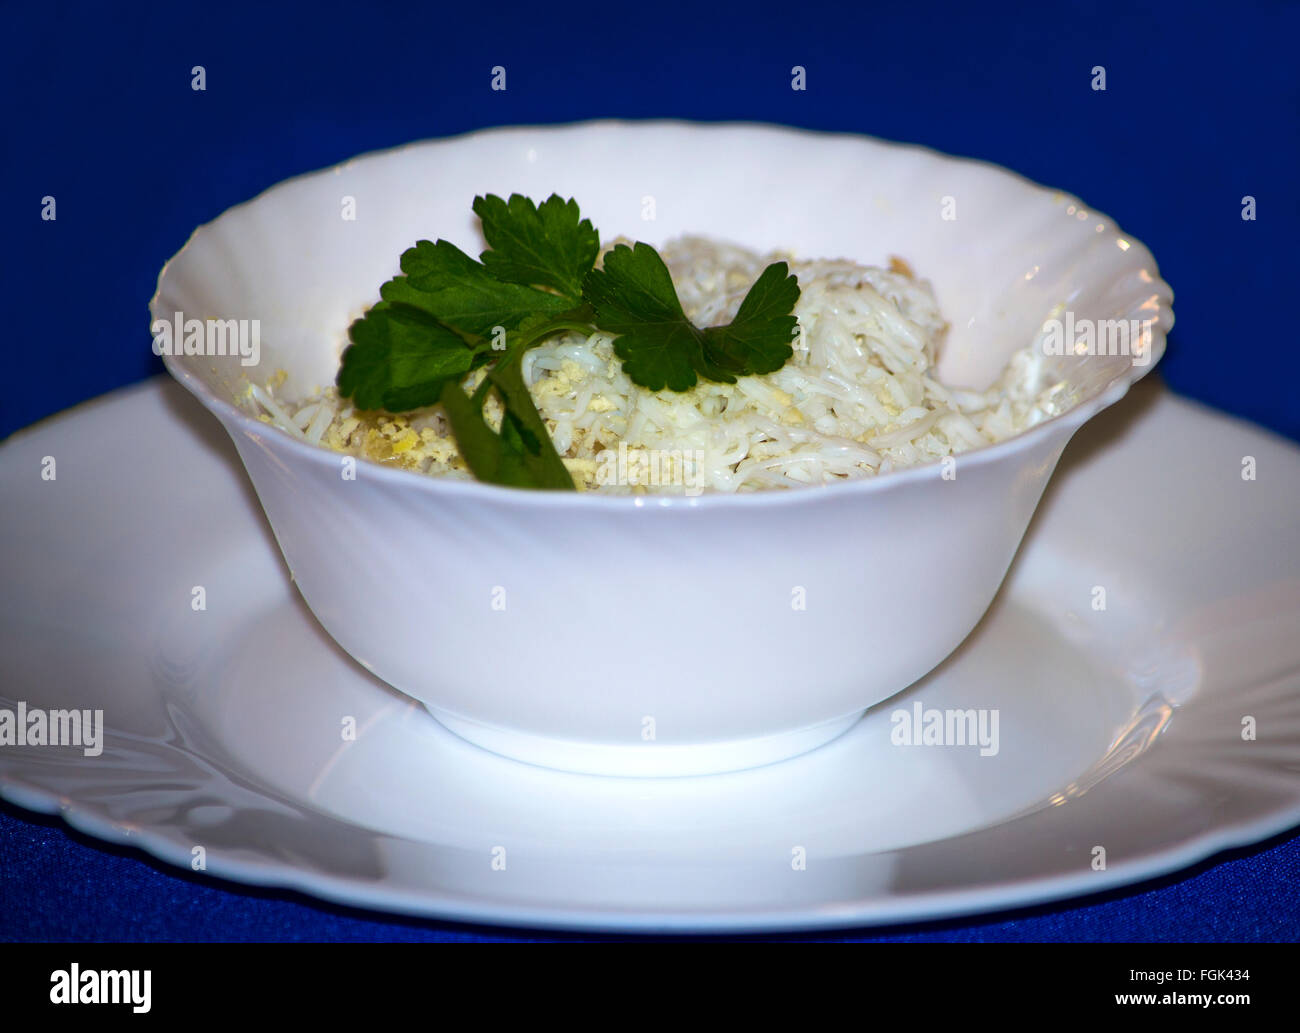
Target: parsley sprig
634 296
447 315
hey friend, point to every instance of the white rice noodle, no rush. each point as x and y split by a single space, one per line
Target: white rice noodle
858 398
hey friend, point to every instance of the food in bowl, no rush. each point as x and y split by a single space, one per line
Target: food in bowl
840 363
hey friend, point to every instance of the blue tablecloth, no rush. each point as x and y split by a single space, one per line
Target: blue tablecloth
1197 116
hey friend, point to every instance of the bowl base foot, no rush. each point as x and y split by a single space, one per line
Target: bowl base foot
650 760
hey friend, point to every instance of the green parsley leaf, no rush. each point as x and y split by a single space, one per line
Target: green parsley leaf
443 281
525 438
633 296
521 454
759 339
479 444
547 244
400 357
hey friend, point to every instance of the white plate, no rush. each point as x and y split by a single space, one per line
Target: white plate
1118 728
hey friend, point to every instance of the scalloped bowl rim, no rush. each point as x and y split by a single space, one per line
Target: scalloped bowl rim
1071 419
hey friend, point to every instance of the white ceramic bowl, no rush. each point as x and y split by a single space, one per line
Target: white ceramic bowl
658 635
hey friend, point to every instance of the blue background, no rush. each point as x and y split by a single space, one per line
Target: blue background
1200 110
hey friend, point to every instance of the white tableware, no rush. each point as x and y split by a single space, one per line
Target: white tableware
1158 729
658 635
